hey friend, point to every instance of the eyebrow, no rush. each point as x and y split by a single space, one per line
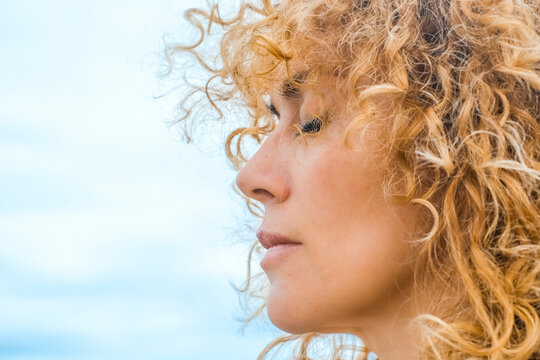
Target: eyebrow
289 87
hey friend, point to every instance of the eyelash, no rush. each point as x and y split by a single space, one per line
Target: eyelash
313 126
272 109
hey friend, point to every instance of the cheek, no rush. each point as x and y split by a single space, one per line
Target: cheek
340 184
364 259
356 246
345 275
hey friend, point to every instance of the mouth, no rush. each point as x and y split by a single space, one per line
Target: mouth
269 240
279 249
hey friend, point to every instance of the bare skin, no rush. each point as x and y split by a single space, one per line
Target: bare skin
352 270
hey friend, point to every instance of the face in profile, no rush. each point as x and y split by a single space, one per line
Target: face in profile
339 254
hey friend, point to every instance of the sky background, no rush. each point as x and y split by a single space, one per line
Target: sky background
117 240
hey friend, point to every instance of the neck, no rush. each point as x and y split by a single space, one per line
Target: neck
395 339
390 332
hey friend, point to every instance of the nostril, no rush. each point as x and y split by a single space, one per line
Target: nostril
262 193
264 178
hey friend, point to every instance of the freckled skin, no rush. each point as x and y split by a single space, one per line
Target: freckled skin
354 261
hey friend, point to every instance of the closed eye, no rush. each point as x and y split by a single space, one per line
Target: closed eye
310 127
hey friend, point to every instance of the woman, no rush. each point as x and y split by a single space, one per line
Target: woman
398 172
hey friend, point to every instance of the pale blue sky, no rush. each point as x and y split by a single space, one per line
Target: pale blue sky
117 241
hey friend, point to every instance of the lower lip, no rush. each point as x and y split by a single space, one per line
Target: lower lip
277 254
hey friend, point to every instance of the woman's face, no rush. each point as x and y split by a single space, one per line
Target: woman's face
351 254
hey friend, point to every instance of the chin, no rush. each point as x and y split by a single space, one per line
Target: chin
291 316
286 321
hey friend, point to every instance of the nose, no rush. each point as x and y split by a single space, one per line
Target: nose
265 177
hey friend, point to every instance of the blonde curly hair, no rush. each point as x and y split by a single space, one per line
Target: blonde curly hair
464 140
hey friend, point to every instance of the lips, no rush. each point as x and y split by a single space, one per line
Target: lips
279 249
269 240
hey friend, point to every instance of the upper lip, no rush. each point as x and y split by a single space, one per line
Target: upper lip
269 240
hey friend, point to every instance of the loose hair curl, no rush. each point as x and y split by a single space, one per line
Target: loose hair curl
463 141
